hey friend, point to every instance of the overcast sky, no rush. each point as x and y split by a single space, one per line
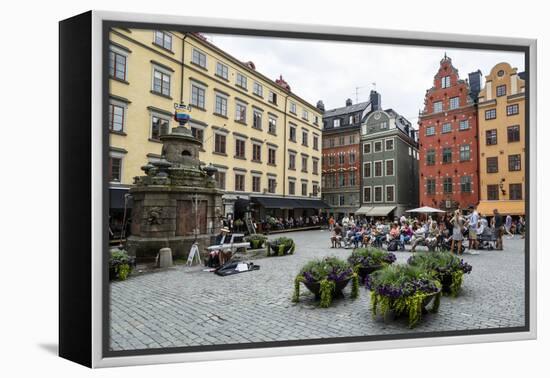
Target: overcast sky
330 71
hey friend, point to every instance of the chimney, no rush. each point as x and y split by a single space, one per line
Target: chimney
474 79
375 100
348 102
321 105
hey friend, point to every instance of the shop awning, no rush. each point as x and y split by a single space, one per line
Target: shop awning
289 203
380 211
363 210
503 207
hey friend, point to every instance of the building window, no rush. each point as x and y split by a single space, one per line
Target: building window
315 142
272 127
239 148
331 160
256 152
222 70
492 192
454 103
341 200
220 180
241 81
352 157
341 159
117 65
501 90
367 194
377 169
512 109
159 126
492 164
515 192
258 89
304 188
271 184
116 117
430 130
240 112
389 144
197 96
163 40
239 182
378 146
445 82
447 155
430 157
197 133
257 120
352 178
292 133
336 122
383 125
389 168
466 184
465 152
304 138
315 167
438 106
367 169
390 193
491 137
464 125
161 82
293 107
447 128
291 160
514 163
430 186
377 194
220 143
341 141
304 163
199 58
272 97
448 185
256 180
490 114
366 148
513 133
316 120
221 105
115 169
341 179
271 154
292 187
305 115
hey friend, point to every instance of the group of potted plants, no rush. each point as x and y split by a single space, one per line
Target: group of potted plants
281 246
120 264
367 260
256 240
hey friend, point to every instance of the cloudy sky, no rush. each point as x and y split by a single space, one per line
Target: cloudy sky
330 71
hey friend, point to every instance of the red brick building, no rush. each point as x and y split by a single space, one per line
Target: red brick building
448 140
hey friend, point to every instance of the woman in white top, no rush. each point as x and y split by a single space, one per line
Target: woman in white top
458 225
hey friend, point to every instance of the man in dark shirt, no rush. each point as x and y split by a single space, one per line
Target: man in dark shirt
498 224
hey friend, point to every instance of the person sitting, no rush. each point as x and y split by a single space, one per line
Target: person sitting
217 257
406 235
419 236
336 236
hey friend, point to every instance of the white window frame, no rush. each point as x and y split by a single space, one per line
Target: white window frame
438 102
386 167
216 103
163 71
443 127
258 89
220 64
293 108
161 116
193 125
252 176
124 106
456 101
200 86
386 194
374 193
374 146
382 168
118 155
164 33
199 53
124 53
430 128
370 194
305 114
336 122
393 144
446 82
464 121
271 118
370 148
239 103
243 78
371 173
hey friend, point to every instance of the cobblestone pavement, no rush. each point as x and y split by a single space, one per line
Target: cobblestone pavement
185 306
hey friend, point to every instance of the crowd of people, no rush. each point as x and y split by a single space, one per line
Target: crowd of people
445 232
274 223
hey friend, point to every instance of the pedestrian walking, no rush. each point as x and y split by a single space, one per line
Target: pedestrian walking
472 229
498 226
458 225
508 227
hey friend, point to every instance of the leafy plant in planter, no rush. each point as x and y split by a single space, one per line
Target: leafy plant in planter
120 264
282 246
326 278
448 268
238 224
367 260
256 240
403 289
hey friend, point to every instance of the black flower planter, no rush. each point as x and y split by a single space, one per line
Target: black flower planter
429 298
275 249
363 271
446 279
315 287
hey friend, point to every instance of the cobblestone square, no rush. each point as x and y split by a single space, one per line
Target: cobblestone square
185 306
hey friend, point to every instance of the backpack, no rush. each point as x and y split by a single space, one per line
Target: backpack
392 246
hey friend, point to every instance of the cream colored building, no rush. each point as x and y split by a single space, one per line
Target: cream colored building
263 138
502 142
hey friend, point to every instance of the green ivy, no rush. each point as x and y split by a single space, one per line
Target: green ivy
354 285
327 290
456 282
123 271
296 295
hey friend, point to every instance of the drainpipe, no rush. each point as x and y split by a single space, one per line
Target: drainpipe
284 147
182 64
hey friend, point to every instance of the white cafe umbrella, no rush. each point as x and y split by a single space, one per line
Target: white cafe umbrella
424 210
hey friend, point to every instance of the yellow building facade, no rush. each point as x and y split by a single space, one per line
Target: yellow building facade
502 142
263 139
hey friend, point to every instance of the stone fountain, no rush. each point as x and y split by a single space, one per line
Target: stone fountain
176 202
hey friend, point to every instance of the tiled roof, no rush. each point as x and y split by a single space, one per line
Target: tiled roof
346 109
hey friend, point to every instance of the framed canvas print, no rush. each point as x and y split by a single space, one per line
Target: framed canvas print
254 189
